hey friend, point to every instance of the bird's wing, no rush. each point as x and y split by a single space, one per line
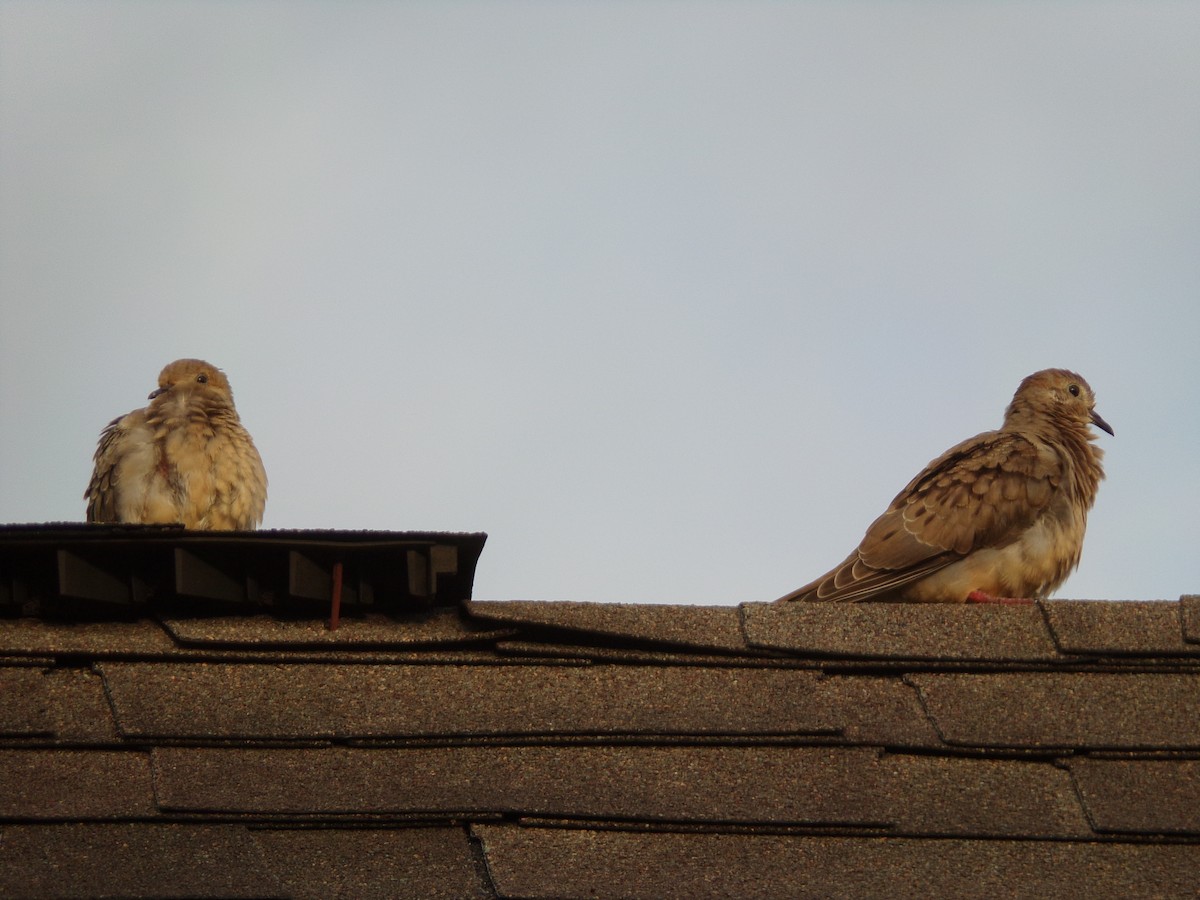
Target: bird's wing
101 493
983 492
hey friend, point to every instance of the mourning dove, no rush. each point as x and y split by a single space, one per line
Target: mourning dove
999 517
184 459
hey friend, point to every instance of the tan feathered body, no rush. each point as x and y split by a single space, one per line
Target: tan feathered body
1003 513
184 459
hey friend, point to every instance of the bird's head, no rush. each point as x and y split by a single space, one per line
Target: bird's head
1055 396
192 379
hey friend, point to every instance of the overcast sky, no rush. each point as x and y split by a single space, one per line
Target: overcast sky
670 298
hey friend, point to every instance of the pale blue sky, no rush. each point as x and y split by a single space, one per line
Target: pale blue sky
670 298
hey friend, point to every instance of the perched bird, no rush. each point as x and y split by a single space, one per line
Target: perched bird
997 518
184 459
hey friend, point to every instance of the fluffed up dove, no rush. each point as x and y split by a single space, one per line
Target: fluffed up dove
184 459
997 518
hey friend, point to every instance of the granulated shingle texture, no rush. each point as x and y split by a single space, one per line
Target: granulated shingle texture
554 863
434 746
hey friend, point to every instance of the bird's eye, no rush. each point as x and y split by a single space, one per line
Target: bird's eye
203 379
1074 390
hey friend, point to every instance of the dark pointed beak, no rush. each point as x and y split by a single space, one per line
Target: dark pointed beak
1099 422
154 393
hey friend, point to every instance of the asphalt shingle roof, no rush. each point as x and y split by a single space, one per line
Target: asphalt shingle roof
157 743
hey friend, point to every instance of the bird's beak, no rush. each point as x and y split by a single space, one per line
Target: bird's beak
1099 422
154 393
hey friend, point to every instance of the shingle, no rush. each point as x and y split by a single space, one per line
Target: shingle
1060 709
885 712
366 863
23 711
786 785
132 860
336 655
1146 796
931 631
441 627
95 639
645 655
77 708
75 784
705 627
211 700
1095 627
941 795
30 639
565 864
1189 605
748 785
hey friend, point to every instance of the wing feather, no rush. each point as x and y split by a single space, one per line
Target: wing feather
983 492
103 488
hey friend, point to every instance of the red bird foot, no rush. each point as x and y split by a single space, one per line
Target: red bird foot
981 597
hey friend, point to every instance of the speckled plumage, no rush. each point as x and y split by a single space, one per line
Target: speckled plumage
184 459
1002 514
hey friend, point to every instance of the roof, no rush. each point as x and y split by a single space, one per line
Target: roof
161 743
